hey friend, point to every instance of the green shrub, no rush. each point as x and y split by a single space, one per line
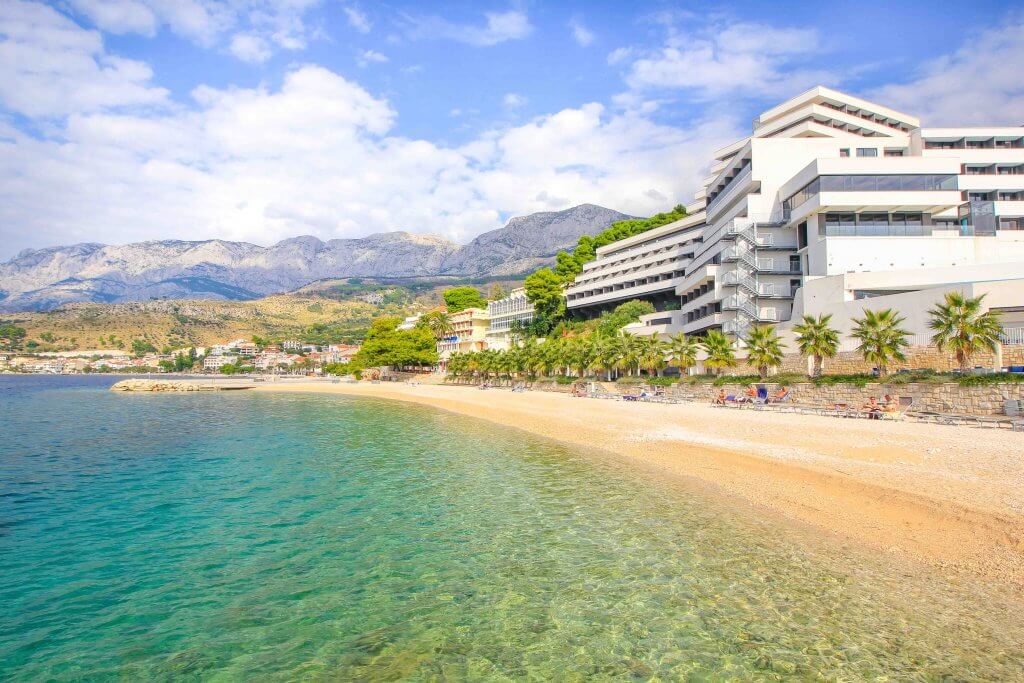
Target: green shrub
662 381
563 379
855 380
983 380
630 379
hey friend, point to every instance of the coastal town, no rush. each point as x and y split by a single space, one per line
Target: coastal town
232 357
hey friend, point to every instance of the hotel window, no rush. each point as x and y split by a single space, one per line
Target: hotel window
873 219
844 152
907 219
894 152
867 152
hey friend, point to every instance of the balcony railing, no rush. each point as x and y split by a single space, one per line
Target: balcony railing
893 230
1012 335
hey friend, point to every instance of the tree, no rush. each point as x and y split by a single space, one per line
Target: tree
963 327
606 354
764 349
682 350
610 323
567 267
817 339
544 290
881 338
497 292
719 350
438 322
460 298
651 353
385 345
11 335
140 347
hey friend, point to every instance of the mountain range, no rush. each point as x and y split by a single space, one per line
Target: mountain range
43 279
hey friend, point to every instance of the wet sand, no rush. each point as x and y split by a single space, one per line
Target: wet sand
952 497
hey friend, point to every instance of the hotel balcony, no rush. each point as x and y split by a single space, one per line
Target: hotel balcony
872 183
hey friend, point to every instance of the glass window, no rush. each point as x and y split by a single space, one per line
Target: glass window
873 219
894 152
845 152
867 152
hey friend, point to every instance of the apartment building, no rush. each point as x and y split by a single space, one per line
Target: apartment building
469 333
505 313
648 266
832 200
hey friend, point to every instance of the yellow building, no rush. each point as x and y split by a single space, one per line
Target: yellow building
469 333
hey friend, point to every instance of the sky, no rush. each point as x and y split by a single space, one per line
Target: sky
131 120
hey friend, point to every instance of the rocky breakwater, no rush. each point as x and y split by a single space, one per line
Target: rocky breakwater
172 385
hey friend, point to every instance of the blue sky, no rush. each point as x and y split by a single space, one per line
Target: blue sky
124 120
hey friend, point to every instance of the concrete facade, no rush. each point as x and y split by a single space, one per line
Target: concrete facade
832 202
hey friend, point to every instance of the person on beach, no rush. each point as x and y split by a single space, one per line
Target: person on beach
891 404
750 394
872 408
720 399
782 393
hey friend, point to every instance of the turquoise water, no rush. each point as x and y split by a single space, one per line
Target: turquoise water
280 537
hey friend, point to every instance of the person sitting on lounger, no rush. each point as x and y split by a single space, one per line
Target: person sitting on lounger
891 404
749 395
720 399
781 394
872 408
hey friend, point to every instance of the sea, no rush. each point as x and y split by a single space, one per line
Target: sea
245 536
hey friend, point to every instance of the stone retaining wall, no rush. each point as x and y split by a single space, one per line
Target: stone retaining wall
851 362
948 397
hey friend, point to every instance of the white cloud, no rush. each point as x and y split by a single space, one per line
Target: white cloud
513 100
119 16
250 48
580 33
357 19
49 66
499 28
367 57
978 84
727 59
208 22
317 156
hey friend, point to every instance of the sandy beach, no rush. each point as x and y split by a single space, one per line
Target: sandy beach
952 497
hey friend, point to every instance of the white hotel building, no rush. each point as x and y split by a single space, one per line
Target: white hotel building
831 201
505 313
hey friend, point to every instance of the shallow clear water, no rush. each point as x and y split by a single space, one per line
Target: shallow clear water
244 536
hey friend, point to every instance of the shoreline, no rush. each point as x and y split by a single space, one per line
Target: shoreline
951 497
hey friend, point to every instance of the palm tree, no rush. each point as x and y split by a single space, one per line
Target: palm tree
719 350
963 327
548 357
606 354
651 354
529 355
881 338
438 322
630 351
764 349
817 339
682 350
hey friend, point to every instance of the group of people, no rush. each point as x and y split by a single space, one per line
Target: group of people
875 409
751 396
